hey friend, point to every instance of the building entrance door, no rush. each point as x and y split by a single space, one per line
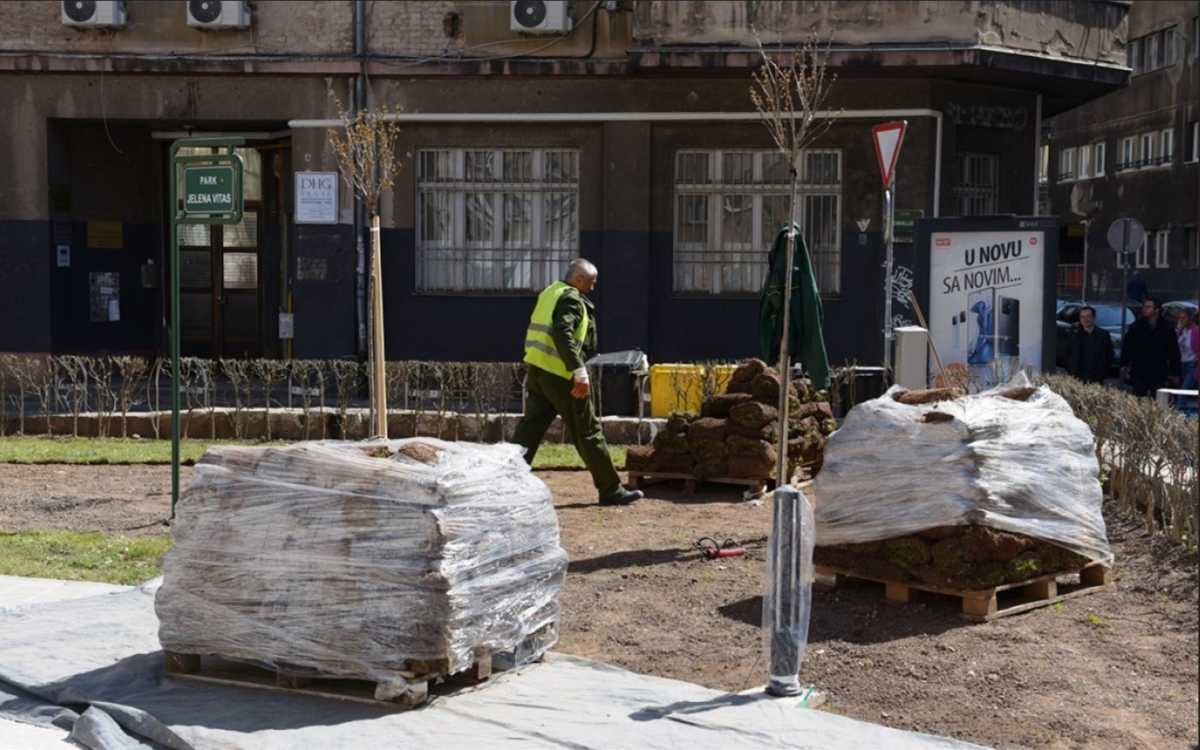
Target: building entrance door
220 288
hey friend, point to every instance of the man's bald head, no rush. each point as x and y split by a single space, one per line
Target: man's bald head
581 274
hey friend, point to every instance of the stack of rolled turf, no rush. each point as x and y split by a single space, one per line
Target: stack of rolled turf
360 559
737 433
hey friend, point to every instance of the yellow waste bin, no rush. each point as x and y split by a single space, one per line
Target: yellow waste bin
676 388
721 375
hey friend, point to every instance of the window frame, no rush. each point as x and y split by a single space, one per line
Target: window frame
1099 154
1194 142
1066 157
1084 162
1044 164
1147 145
1162 247
1129 147
1166 146
461 252
1191 246
1142 254
688 258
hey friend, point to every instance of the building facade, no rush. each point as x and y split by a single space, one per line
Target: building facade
1134 152
629 139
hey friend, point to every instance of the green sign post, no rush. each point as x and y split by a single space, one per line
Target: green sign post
212 194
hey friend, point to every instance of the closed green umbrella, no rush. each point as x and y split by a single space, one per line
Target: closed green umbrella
806 342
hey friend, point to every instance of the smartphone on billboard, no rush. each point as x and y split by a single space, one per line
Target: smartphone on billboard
981 327
1008 327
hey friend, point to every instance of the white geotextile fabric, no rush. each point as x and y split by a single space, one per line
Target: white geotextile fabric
327 557
99 654
1026 467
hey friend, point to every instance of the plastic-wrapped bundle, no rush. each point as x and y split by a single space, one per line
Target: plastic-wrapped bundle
787 604
355 559
1012 459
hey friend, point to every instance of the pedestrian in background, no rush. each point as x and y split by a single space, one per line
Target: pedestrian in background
1187 334
1136 289
1091 349
1150 351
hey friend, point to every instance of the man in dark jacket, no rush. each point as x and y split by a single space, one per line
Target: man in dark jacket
1150 352
561 334
1091 349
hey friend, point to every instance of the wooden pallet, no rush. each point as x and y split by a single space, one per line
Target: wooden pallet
981 605
639 479
419 676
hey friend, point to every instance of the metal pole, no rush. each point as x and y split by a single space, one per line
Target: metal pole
785 370
787 634
889 216
1083 290
1124 278
172 216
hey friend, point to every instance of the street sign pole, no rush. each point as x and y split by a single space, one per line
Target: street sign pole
1124 278
1125 235
889 221
888 138
231 215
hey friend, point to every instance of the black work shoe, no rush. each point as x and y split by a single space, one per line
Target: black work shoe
621 496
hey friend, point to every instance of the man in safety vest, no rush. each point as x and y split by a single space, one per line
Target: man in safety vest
561 331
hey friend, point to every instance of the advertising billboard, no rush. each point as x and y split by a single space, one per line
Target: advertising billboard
988 297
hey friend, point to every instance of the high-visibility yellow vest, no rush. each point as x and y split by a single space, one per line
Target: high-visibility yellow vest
540 350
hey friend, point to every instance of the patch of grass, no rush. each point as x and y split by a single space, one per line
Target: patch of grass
69 450
82 556
1058 606
1097 620
564 456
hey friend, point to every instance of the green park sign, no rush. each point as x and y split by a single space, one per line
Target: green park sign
212 189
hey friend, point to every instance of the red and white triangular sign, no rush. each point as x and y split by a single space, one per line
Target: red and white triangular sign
888 137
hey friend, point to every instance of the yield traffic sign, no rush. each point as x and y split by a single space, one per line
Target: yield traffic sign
888 137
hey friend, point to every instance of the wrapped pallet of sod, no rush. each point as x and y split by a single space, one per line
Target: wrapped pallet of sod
970 490
354 559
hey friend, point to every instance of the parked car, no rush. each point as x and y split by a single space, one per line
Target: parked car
1108 317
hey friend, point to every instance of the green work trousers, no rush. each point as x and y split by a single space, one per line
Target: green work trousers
546 396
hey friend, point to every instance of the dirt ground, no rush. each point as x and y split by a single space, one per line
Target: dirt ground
1111 670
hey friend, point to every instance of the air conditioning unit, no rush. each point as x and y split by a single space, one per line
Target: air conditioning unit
94 13
218 14
539 16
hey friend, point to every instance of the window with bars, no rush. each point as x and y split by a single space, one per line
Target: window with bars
729 205
495 220
978 183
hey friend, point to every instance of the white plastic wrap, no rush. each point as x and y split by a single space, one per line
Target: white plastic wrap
787 603
325 556
1026 467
